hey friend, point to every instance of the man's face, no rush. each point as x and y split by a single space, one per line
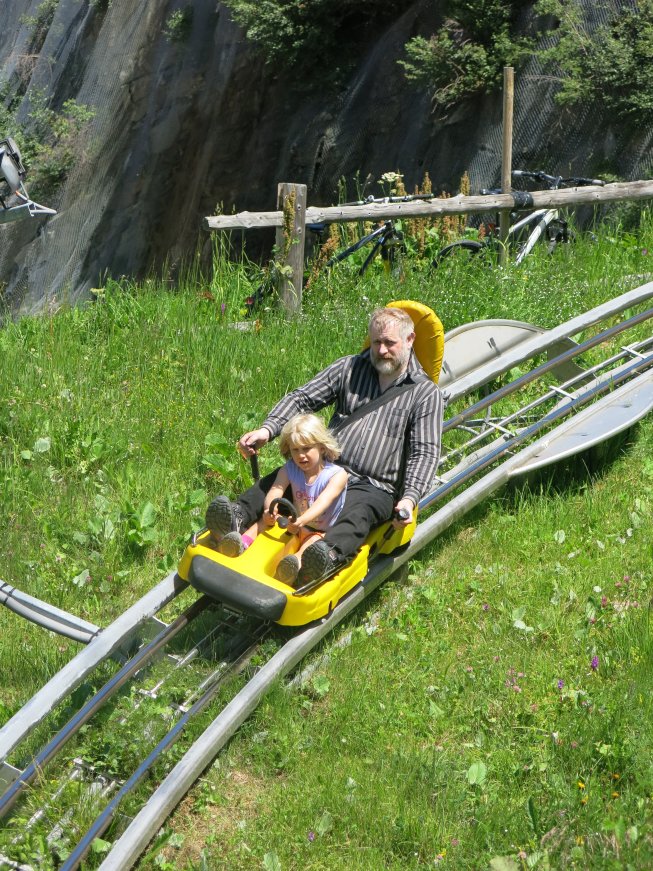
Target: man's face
389 353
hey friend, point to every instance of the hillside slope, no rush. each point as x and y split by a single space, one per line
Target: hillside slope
183 125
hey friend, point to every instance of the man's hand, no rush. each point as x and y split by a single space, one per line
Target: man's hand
403 513
249 443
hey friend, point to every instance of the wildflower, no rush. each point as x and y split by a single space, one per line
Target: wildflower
594 664
615 795
583 800
616 776
485 606
311 836
455 842
626 578
604 601
516 688
561 683
581 785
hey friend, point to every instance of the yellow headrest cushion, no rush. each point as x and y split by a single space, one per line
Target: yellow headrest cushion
429 335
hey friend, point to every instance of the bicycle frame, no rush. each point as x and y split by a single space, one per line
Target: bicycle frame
541 219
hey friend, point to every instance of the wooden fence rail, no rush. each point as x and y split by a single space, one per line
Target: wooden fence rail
459 205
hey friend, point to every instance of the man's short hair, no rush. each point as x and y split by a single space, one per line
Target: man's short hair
384 317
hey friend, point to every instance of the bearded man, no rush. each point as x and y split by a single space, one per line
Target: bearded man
387 419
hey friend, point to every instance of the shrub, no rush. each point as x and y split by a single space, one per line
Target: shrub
467 54
612 63
301 32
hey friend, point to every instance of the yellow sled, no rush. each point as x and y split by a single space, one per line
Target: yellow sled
247 583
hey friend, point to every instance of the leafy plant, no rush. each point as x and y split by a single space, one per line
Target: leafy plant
52 146
141 525
467 54
179 24
611 64
299 33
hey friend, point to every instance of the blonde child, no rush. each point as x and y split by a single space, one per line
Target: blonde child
318 488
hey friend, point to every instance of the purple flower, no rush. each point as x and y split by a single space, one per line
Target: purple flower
594 664
561 683
311 836
486 607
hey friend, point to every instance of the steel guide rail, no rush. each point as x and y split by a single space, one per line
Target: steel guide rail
144 655
128 847
239 649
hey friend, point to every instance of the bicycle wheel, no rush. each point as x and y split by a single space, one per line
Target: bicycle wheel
464 249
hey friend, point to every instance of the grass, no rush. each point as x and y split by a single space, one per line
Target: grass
494 707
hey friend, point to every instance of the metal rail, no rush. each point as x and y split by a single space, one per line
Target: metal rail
144 655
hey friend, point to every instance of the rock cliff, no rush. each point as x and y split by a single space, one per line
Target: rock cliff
181 126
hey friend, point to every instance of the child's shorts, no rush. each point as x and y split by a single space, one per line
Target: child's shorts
306 532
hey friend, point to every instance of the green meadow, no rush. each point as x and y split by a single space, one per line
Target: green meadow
489 707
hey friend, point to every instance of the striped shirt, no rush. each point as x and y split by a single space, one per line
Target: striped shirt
396 446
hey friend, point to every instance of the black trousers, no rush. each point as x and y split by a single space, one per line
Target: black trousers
365 506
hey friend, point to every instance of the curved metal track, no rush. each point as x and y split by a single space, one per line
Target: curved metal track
590 406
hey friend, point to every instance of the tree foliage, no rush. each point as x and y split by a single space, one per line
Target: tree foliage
467 54
612 63
302 32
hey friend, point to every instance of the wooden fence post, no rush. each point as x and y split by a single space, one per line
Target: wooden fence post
290 236
506 157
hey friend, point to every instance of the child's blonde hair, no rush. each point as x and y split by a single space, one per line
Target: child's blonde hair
307 430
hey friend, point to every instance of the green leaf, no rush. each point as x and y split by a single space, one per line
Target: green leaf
82 578
435 710
100 846
321 685
271 862
42 445
325 823
146 515
477 773
503 863
518 620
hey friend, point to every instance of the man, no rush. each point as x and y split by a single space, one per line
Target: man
391 452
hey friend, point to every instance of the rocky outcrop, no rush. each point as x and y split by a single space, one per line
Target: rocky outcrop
182 127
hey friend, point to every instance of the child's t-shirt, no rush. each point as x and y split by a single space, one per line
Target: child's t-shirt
304 495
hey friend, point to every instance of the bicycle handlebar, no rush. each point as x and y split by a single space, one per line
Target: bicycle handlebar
556 181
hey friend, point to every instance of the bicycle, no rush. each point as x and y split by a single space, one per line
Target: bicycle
542 224
386 240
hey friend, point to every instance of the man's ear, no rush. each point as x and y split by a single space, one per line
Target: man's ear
410 338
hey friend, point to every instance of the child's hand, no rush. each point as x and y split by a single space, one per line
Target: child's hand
294 526
269 519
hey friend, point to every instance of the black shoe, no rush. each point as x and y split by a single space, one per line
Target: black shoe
231 544
287 569
319 561
223 516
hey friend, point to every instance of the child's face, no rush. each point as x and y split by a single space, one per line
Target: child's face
307 457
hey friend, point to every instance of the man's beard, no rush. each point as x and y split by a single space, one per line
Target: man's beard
390 366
